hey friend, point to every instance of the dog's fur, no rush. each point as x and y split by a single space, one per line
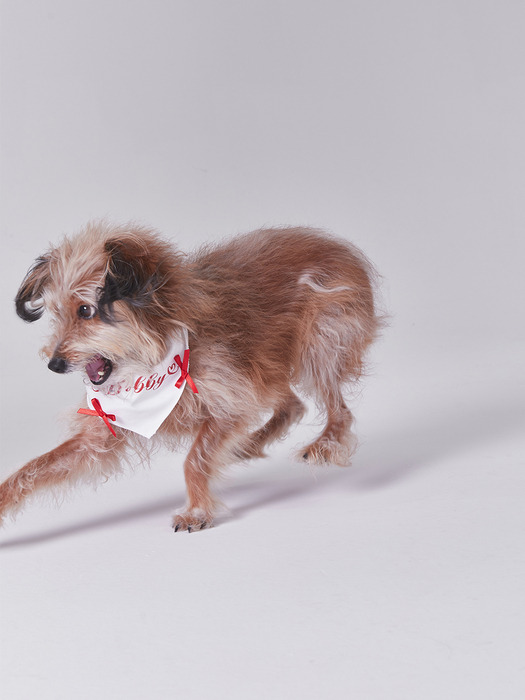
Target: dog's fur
267 313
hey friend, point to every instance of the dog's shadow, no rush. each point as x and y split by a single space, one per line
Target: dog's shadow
382 460
435 436
251 496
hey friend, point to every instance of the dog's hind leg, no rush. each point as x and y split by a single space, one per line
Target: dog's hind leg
93 453
332 359
337 443
288 412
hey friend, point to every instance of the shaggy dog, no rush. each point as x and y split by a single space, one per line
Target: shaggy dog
263 315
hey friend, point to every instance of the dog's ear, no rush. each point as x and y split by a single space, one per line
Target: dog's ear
132 276
28 301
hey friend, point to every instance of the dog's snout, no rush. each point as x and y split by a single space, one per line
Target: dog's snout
58 364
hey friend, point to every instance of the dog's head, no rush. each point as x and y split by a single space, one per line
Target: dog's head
111 294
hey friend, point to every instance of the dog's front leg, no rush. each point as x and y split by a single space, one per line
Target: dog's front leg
213 448
93 452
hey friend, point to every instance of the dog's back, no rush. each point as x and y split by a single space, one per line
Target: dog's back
293 295
296 307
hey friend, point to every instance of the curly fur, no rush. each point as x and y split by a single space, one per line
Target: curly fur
269 314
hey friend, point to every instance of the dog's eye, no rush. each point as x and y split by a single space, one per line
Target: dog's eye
86 311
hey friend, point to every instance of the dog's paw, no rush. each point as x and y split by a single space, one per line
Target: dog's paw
192 520
326 451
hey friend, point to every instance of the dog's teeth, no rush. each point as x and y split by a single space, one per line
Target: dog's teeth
101 373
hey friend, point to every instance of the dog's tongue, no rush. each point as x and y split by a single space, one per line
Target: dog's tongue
97 364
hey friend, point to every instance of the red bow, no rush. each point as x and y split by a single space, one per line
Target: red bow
184 371
106 417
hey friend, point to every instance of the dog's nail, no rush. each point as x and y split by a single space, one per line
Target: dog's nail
177 528
305 456
203 525
189 528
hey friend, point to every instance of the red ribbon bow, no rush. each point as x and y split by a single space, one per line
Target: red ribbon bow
106 417
184 371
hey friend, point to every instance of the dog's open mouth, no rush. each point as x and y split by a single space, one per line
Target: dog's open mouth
99 369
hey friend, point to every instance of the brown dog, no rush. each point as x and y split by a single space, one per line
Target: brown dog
262 314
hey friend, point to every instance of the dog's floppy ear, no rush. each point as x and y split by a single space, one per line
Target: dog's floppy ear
28 301
132 276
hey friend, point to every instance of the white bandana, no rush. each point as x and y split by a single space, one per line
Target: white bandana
143 405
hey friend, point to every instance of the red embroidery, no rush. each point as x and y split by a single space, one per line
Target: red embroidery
99 412
152 383
184 372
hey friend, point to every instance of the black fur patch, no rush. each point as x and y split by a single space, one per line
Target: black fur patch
31 291
131 277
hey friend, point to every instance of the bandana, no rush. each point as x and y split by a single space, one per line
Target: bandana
143 405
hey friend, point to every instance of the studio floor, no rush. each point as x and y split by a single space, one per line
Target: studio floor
399 577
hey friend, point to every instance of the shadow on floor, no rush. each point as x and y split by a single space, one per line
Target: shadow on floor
383 460
434 436
93 524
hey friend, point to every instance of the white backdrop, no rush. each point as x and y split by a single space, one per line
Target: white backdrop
398 125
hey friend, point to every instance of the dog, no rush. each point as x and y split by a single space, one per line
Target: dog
207 349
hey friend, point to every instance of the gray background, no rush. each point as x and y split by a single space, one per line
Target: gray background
398 125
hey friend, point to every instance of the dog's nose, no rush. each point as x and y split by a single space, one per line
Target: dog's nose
58 364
